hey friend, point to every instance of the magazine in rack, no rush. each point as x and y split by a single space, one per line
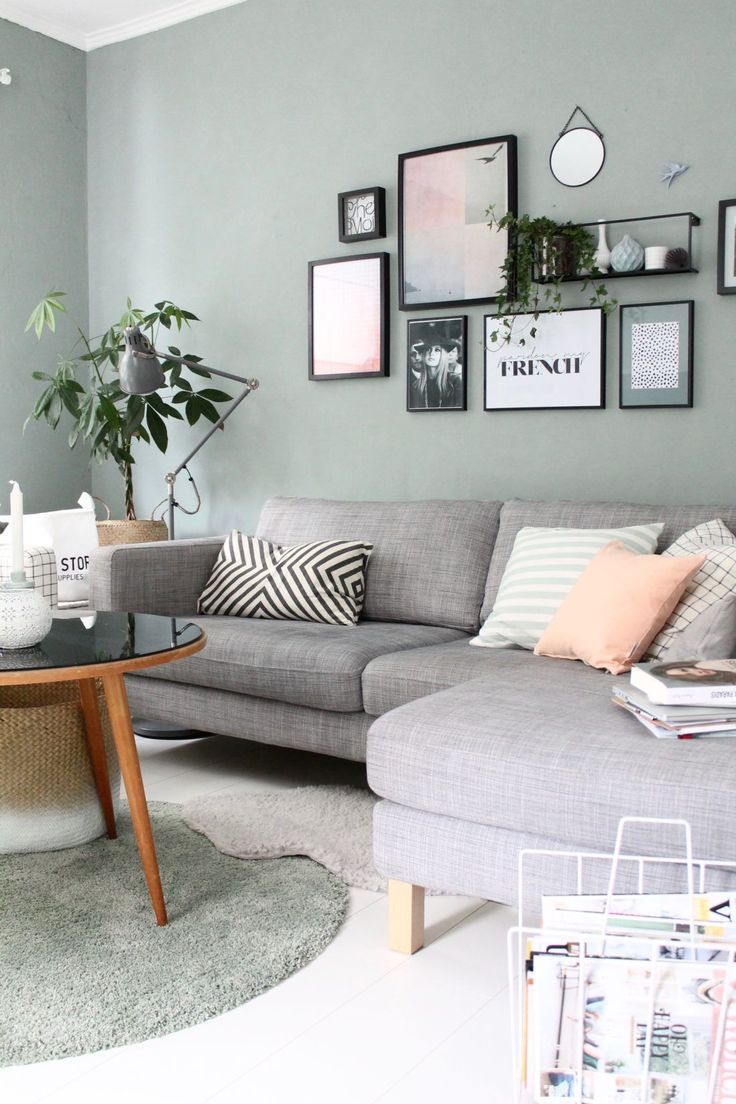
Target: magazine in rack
628 999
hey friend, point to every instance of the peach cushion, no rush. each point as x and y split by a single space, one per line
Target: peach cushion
617 607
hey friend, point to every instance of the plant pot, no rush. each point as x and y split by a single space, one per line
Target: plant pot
555 258
48 798
131 532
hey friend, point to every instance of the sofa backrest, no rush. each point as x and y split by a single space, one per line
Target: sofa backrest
430 559
517 513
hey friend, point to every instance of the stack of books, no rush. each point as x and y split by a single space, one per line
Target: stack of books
682 701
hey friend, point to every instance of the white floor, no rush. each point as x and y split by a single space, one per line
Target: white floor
359 1024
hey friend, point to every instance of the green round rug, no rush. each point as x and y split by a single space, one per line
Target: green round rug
84 966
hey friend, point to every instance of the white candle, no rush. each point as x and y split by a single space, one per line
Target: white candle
16 532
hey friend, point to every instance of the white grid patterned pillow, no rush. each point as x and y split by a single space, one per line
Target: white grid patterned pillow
715 580
40 568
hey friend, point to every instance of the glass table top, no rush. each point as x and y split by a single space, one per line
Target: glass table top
80 638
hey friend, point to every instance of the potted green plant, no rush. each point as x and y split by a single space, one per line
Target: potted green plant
542 253
85 388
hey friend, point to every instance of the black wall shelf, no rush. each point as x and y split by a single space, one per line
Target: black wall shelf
692 220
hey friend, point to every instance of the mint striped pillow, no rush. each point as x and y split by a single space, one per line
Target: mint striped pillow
543 566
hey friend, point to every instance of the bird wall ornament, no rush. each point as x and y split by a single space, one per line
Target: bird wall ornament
671 170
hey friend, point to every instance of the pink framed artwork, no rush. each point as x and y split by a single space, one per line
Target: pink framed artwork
447 254
348 317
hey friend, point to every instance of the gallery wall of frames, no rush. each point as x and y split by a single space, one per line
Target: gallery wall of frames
463 241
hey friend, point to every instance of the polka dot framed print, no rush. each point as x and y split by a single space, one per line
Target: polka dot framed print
656 355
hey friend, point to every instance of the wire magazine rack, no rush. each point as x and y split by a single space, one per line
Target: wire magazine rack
656 952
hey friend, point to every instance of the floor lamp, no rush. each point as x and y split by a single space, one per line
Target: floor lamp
141 373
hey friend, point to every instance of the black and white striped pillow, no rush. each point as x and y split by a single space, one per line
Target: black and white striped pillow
321 581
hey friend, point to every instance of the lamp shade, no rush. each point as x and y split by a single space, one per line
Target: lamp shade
139 368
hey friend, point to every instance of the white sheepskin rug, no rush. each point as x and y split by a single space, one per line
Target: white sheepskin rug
331 824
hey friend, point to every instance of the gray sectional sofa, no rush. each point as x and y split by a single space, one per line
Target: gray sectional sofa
476 753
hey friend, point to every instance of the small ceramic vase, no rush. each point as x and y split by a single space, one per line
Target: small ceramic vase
25 616
627 256
602 258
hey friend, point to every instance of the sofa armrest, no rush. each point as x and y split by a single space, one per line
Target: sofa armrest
163 577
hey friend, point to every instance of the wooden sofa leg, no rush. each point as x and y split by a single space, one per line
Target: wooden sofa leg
405 917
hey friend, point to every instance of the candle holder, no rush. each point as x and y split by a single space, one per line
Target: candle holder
25 615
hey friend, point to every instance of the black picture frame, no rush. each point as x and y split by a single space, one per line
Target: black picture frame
439 256
526 346
656 312
339 313
348 213
727 246
424 395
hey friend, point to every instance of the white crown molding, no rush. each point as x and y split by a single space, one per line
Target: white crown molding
164 17
16 12
167 16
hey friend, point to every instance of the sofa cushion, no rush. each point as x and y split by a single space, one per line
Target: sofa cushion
616 607
397 678
323 581
517 513
544 566
430 559
538 747
292 661
714 583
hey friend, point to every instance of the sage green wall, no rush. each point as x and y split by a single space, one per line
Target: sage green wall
43 244
216 151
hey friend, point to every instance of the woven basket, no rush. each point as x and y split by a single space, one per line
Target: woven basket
131 532
48 797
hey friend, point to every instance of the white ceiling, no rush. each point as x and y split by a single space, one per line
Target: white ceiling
92 23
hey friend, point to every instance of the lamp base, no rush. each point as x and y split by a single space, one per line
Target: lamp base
161 730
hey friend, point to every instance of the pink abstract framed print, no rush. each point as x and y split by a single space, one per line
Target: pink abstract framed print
348 317
447 254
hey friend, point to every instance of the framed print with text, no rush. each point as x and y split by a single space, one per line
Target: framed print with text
447 255
552 362
656 354
348 317
361 215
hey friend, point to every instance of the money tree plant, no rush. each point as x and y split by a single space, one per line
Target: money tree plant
84 388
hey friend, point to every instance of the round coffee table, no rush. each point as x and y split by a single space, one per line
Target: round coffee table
107 646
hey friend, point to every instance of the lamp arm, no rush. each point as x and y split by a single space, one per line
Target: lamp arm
253 384
250 385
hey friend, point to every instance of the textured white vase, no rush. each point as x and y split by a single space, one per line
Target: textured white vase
602 258
25 616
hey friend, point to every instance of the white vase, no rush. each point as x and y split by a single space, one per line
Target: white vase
602 257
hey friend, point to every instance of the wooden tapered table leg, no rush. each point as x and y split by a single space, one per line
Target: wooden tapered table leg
122 731
97 754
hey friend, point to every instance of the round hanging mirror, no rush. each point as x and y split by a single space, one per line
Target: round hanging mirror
578 154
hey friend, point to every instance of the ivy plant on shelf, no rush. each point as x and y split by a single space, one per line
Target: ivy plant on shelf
541 254
85 386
